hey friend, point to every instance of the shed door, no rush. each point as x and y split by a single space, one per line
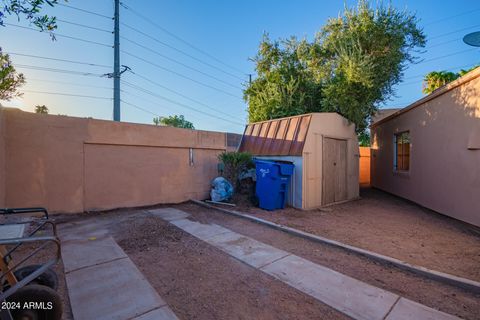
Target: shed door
334 170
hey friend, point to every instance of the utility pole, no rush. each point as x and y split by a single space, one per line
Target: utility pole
116 64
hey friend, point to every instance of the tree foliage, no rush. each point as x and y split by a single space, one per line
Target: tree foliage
173 121
31 10
350 67
10 80
42 109
436 79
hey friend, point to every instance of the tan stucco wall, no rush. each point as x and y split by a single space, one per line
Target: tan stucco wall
364 166
73 164
2 159
444 174
329 125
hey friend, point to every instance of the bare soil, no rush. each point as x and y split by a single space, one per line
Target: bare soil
199 281
437 295
392 226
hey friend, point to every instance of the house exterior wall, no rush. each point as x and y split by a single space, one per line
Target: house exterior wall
328 125
2 159
444 172
74 164
364 166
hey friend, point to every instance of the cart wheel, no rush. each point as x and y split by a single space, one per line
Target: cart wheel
36 302
49 278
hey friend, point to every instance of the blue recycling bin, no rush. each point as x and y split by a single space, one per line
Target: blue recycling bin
273 180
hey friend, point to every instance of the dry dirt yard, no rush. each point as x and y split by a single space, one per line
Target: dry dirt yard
392 226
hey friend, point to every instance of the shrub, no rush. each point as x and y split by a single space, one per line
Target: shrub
234 164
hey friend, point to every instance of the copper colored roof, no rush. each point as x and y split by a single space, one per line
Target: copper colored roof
279 137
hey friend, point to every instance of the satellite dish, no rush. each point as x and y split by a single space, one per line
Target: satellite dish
472 39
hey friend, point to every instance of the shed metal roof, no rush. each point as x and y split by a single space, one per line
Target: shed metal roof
279 137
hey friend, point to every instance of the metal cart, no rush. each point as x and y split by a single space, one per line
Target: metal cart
28 292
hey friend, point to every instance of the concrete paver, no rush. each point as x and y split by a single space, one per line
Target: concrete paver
169 214
252 252
409 310
350 296
103 283
163 313
84 253
199 230
112 290
355 298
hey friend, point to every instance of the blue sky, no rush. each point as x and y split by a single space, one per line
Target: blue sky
206 90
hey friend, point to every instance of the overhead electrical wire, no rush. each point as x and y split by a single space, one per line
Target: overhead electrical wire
85 11
84 26
180 94
60 35
180 63
181 51
140 108
58 59
179 38
68 83
179 74
67 94
79 73
153 94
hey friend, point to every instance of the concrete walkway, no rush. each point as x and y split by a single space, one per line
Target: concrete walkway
103 283
354 298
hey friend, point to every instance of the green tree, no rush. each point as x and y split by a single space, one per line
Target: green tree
350 67
173 121
436 79
10 80
42 109
30 9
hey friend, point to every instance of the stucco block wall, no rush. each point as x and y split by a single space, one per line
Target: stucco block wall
73 164
444 170
364 167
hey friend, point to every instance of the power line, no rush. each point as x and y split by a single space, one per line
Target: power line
61 35
84 26
454 31
85 11
181 51
67 94
57 59
179 94
179 38
451 17
449 69
140 108
180 63
447 55
151 102
79 73
69 83
179 74
181 104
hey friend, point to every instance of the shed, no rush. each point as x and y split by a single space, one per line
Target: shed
322 146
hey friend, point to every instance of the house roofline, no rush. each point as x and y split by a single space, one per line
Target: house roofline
472 75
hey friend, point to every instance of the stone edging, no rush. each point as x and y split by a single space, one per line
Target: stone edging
467 284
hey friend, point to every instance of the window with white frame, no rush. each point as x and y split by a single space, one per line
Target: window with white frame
402 151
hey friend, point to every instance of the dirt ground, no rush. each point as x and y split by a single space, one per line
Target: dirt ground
389 225
440 296
200 282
